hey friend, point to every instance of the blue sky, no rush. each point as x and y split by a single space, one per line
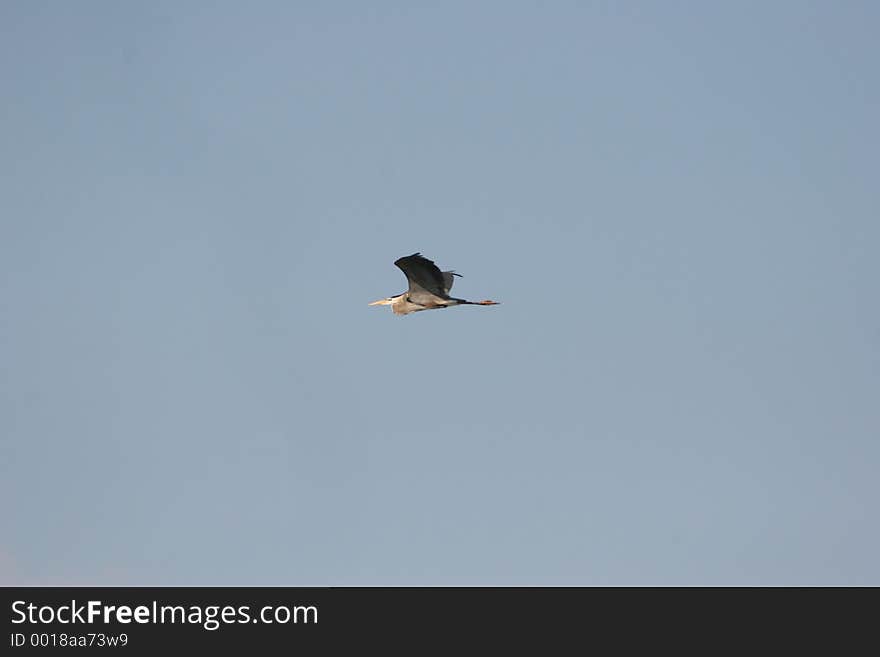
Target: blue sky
676 204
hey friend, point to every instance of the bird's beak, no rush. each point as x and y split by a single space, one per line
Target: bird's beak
381 302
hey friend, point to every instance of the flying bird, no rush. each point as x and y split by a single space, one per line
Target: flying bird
428 288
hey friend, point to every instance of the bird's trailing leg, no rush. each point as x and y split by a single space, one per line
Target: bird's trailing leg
478 303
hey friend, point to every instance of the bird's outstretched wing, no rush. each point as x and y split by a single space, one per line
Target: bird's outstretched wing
424 277
448 280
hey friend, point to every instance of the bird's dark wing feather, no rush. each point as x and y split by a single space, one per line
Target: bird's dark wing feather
424 277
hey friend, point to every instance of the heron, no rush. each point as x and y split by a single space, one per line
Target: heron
428 288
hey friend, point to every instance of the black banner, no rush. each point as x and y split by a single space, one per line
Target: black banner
211 618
